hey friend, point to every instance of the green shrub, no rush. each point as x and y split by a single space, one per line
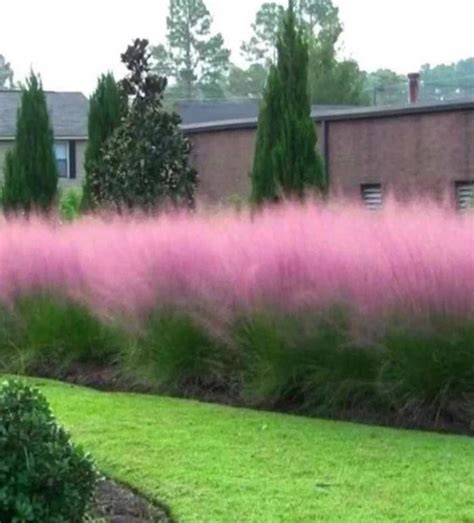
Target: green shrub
428 368
175 354
70 204
43 476
43 330
308 361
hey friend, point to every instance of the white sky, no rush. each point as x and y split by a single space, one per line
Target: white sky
70 42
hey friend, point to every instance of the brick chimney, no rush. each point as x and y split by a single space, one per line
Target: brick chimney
414 87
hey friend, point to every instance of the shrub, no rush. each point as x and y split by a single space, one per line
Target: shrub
307 361
427 373
43 476
70 204
173 353
45 331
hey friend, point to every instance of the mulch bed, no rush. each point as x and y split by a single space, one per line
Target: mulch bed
117 504
110 379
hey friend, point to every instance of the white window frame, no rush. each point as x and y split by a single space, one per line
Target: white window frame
68 160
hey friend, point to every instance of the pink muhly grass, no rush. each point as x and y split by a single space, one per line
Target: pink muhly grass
417 258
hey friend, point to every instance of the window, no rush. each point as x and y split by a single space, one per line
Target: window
464 195
372 196
61 150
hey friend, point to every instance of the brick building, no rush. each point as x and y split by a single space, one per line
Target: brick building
417 148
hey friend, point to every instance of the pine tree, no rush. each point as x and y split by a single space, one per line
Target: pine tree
31 175
107 106
194 58
286 162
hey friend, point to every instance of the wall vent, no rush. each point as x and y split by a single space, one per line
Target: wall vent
372 196
464 195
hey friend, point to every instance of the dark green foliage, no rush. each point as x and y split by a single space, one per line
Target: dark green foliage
286 163
307 362
145 162
31 176
46 332
107 107
43 476
410 371
196 60
174 353
428 368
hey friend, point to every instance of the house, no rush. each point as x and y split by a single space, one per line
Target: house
68 116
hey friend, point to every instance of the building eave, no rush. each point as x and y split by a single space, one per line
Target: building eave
363 113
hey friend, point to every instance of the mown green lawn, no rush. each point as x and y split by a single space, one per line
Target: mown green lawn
216 464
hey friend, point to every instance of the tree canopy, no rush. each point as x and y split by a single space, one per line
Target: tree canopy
192 57
6 74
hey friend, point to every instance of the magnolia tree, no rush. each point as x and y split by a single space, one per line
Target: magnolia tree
145 162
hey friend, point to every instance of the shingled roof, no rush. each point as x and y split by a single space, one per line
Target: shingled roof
68 113
203 112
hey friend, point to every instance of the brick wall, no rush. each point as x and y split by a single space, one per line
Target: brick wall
223 160
409 154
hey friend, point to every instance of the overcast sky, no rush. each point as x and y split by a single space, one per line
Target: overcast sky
71 42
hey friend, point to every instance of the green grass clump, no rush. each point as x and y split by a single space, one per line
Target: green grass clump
308 361
218 464
46 330
174 353
428 368
409 373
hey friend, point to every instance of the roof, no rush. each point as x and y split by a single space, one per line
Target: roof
334 113
68 113
200 112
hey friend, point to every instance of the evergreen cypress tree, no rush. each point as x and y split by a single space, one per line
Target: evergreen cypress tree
286 162
31 175
107 106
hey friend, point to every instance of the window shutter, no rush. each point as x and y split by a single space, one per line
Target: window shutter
72 160
372 196
464 195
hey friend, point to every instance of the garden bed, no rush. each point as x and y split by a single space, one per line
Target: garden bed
111 379
327 311
118 504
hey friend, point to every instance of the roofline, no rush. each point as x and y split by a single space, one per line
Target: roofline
363 113
49 91
56 138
